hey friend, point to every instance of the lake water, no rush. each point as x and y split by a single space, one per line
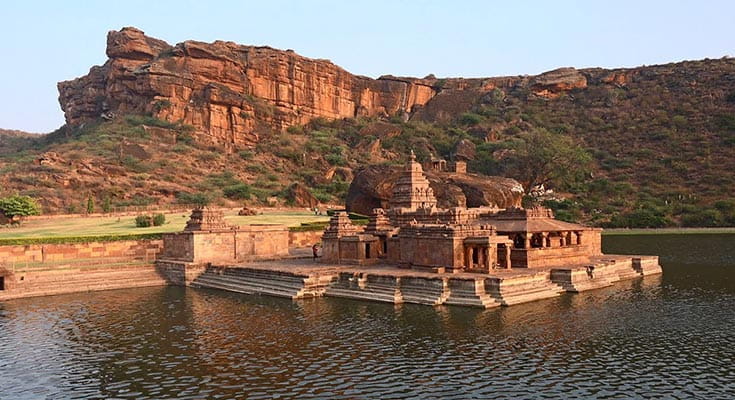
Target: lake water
670 336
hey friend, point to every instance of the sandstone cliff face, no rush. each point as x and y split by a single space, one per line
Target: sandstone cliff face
232 93
373 188
228 92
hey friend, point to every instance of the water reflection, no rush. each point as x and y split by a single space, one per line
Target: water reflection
656 337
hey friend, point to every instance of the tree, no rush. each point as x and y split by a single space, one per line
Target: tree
90 205
107 205
539 157
17 206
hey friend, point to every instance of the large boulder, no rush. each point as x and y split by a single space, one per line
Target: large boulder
373 188
552 83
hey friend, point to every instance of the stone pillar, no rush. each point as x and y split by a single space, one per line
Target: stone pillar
562 239
569 238
468 256
507 256
526 241
579 237
545 240
486 258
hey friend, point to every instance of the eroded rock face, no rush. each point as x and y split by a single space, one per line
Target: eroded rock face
552 83
373 187
231 94
228 91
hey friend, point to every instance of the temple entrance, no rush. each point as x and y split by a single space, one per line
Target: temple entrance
2 283
367 250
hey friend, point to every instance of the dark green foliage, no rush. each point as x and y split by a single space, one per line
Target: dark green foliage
143 221
238 191
159 219
470 119
90 205
107 205
19 206
640 218
565 210
199 199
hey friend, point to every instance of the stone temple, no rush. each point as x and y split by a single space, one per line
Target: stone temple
414 233
413 252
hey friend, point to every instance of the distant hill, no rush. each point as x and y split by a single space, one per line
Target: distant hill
161 123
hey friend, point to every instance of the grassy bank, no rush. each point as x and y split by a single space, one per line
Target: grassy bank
668 231
54 229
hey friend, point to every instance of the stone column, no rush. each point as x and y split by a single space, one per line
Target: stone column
562 239
526 241
579 237
507 256
486 258
569 238
468 256
545 240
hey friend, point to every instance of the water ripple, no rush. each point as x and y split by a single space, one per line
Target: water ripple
667 337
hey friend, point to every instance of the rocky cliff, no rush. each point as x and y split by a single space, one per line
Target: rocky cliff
228 92
231 94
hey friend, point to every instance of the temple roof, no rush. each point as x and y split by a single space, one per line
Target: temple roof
535 225
536 219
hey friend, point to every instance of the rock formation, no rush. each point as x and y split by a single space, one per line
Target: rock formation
232 93
373 188
228 92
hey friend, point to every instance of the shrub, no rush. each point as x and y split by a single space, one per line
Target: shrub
239 191
470 119
159 219
143 221
200 199
19 206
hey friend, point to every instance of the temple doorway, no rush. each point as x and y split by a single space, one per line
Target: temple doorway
2 283
367 250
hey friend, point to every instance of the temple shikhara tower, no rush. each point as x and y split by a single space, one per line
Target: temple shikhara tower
415 233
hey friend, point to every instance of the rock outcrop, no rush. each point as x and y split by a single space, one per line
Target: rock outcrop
228 92
232 94
552 83
373 187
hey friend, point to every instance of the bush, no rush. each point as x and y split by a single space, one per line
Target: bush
470 119
143 221
200 199
159 219
239 191
19 206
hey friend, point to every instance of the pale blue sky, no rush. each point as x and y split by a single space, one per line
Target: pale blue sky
46 42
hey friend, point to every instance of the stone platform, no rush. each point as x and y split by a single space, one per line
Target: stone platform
297 278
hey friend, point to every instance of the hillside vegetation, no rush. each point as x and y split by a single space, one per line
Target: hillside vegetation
654 146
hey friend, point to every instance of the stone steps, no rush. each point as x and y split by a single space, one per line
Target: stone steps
255 281
516 290
429 291
469 292
211 281
357 286
70 282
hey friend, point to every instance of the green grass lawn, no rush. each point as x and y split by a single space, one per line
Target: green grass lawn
99 226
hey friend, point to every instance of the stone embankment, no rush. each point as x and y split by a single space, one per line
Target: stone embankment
48 269
302 278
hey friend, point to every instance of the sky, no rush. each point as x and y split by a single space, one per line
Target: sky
44 42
